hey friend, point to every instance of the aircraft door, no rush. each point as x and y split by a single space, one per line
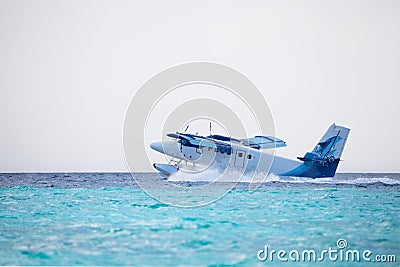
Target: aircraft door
240 156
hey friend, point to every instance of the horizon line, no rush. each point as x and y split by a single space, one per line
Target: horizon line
46 172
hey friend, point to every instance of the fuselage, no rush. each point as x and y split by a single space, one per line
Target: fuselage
240 158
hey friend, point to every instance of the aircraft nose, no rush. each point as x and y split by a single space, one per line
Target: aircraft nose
157 146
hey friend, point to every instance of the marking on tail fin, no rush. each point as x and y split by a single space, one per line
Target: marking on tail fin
332 145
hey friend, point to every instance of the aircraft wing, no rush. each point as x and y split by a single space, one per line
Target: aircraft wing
222 143
264 142
193 140
201 141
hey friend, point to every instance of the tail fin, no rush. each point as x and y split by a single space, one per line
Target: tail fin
323 160
332 143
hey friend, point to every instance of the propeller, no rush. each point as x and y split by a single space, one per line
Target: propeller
187 127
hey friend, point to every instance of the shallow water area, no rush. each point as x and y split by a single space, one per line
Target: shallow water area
106 219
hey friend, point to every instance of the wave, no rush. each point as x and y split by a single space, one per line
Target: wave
216 174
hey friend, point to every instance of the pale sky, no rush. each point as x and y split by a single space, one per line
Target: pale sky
68 70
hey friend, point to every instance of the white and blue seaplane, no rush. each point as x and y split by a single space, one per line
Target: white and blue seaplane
194 153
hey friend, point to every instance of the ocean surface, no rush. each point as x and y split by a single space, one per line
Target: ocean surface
106 219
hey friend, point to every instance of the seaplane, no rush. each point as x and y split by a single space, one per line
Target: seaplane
193 153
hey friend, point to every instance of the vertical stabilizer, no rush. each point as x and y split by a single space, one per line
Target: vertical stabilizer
323 160
332 143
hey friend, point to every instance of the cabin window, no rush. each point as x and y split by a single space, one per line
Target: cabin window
249 156
240 154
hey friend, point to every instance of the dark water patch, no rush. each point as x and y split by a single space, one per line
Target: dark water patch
158 206
197 244
32 254
190 219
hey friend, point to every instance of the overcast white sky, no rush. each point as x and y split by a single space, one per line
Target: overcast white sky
68 70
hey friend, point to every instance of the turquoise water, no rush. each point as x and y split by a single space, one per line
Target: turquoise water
105 219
